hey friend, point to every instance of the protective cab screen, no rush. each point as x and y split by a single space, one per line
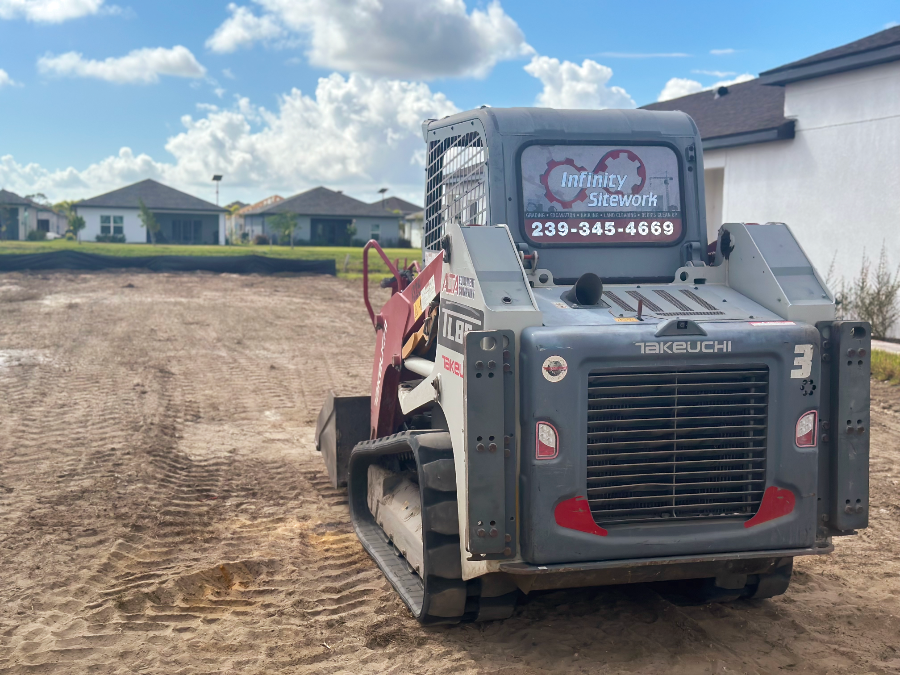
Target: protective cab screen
601 194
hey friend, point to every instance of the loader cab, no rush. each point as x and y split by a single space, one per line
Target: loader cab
618 193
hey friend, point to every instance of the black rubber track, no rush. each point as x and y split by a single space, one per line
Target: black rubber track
439 596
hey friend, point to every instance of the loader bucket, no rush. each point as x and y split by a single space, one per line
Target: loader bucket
343 422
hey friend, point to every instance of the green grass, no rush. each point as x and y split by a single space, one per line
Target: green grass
886 366
352 268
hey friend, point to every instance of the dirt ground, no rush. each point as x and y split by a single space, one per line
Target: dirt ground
163 510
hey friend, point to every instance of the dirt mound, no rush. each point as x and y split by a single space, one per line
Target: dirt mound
163 510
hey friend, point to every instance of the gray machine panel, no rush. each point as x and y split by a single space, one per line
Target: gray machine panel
547 483
490 441
845 431
699 303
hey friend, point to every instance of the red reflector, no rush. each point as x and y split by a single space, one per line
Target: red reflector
547 441
807 426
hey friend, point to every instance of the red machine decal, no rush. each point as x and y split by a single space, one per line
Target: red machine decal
575 514
776 502
452 366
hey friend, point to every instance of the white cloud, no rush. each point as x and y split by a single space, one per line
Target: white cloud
142 66
679 86
227 73
722 52
568 85
49 11
6 80
393 38
355 133
715 73
242 29
891 24
638 55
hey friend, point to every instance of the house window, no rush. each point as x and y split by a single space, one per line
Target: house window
105 224
43 224
118 223
376 232
198 231
176 230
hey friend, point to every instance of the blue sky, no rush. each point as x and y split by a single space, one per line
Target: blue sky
283 95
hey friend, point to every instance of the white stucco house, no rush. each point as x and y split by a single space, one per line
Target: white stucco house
815 144
183 218
328 218
412 219
21 215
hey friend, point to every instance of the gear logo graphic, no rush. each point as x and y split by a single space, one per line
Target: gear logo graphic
552 182
624 163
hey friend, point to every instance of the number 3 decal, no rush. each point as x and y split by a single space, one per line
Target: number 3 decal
803 362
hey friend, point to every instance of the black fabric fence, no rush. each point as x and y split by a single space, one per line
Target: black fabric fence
238 264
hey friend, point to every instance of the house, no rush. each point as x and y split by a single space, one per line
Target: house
21 215
413 227
329 218
182 218
813 143
239 226
412 219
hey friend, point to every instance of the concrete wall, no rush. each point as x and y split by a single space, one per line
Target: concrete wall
134 231
837 183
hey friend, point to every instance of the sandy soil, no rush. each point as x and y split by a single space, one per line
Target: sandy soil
162 510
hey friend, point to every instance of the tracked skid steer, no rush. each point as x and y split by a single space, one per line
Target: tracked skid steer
574 387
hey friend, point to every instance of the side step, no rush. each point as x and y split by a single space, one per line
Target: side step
438 594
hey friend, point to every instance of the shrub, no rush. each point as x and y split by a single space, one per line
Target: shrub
873 298
36 235
261 240
111 238
886 366
70 236
358 242
404 243
245 237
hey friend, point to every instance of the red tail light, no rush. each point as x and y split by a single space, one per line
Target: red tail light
807 427
547 441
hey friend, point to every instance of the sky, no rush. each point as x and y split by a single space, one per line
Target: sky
280 96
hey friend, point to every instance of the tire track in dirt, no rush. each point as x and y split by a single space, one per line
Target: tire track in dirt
169 514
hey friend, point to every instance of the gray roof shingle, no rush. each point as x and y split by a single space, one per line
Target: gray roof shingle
321 201
397 204
155 196
749 110
8 198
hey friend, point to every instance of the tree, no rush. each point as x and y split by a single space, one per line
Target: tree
76 224
40 198
874 299
284 224
148 220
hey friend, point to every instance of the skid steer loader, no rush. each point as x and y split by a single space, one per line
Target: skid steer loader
574 388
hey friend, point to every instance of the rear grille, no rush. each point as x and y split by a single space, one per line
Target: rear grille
676 444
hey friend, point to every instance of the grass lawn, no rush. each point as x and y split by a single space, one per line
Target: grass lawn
347 267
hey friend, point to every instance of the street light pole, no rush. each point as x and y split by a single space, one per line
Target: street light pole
217 179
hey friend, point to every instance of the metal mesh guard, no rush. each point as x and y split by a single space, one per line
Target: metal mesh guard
456 185
676 444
